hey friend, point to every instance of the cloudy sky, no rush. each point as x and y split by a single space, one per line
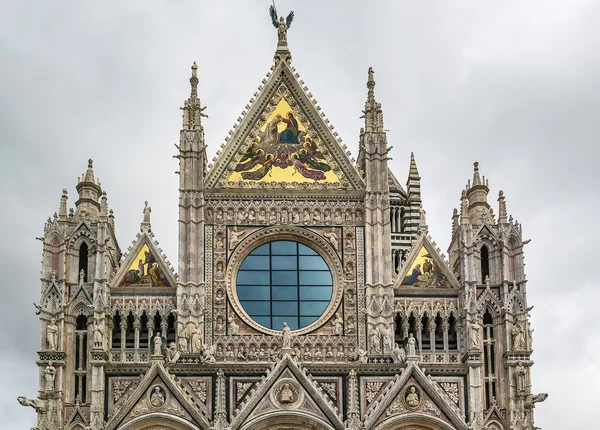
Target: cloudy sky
512 84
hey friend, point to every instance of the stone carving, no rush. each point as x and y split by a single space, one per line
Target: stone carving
52 335
387 339
119 388
330 388
286 395
197 338
208 353
371 390
318 353
219 272
37 404
333 238
286 337
475 336
98 334
49 376
241 388
220 297
234 237
199 388
451 388
338 325
173 353
362 356
521 377
518 337
395 408
157 344
412 397
398 354
411 346
140 409
234 327
430 408
375 340
158 397
350 326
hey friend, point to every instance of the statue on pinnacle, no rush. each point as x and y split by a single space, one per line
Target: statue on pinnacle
281 25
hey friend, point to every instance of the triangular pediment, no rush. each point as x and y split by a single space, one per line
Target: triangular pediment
412 393
425 268
157 393
144 267
282 141
287 390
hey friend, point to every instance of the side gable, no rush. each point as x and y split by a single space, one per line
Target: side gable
413 395
144 266
425 268
157 393
284 142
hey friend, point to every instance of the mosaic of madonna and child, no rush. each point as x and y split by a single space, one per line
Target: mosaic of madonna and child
283 152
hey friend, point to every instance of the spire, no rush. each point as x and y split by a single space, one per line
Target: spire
372 114
192 109
413 184
62 210
87 205
502 215
104 205
477 194
455 220
464 208
145 225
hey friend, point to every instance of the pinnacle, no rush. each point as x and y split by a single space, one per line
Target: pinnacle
476 177
413 166
89 174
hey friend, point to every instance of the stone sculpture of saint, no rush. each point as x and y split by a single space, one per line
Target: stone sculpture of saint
52 335
412 398
281 25
98 334
411 346
338 325
49 375
518 335
157 344
398 355
234 327
286 335
520 376
157 399
475 335
286 395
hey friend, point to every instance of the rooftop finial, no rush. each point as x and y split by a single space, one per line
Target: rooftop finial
89 174
194 81
476 177
192 110
372 114
281 25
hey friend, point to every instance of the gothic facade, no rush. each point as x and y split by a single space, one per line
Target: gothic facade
308 293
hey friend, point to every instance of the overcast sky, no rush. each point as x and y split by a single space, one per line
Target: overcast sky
511 84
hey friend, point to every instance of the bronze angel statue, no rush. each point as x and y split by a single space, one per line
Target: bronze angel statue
281 25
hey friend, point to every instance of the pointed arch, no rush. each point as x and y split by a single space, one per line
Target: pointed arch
414 421
156 420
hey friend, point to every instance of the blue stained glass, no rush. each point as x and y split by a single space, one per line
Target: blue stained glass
253 292
305 250
315 278
284 281
287 277
284 262
247 277
283 247
315 293
285 293
312 308
255 262
312 263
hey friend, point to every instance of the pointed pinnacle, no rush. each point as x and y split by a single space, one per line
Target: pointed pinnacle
89 174
413 166
476 177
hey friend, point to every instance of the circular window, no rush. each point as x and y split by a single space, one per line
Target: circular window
284 280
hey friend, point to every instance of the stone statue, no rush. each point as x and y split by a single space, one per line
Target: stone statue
398 355
235 236
286 395
475 335
518 337
411 346
36 404
196 338
157 344
338 325
183 339
172 353
281 25
332 236
387 340
208 353
98 334
286 336
375 340
234 327
147 211
49 375
157 399
52 335
412 398
362 356
520 376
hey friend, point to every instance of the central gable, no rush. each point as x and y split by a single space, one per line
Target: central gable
284 142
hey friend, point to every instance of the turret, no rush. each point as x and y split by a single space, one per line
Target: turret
87 206
477 194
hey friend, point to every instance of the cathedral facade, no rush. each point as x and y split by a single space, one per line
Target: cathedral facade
308 293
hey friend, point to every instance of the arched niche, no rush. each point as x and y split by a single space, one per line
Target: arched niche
288 420
159 421
413 421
